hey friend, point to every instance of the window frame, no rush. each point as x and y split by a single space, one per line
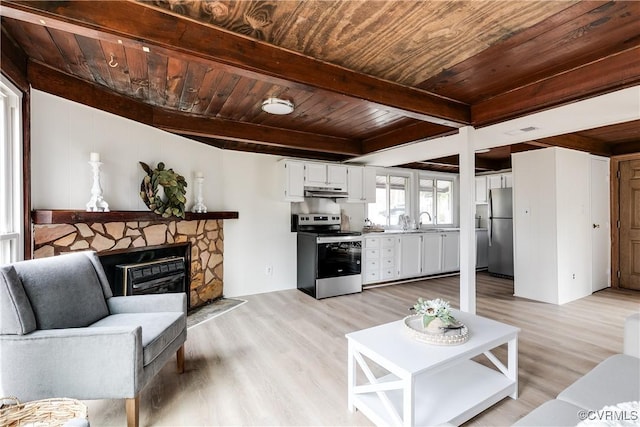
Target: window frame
11 162
408 194
437 177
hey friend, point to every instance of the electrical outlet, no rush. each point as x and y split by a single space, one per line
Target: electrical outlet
268 270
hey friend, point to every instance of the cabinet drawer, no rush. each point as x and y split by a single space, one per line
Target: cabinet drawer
371 264
388 252
388 242
388 263
371 276
388 273
372 242
371 254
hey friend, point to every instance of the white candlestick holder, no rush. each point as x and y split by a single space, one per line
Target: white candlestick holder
199 206
96 203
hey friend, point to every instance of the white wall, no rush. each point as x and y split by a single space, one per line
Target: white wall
64 133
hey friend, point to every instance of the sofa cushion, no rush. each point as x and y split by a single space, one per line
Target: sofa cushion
16 314
158 329
64 290
552 413
612 381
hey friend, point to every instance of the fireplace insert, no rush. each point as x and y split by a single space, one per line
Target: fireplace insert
152 277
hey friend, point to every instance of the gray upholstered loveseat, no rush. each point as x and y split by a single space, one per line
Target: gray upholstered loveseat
613 381
63 333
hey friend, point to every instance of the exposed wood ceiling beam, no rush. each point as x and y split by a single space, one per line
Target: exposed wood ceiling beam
48 80
575 142
247 132
268 149
413 132
134 23
14 62
611 73
626 148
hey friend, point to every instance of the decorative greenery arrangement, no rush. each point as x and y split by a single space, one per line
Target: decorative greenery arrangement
174 186
434 309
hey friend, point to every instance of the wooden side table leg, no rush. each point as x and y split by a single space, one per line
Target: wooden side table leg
180 359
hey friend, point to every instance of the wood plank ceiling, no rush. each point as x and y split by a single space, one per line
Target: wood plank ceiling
363 76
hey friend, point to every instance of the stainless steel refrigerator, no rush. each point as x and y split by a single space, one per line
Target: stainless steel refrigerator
501 232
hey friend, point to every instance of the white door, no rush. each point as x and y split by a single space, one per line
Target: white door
316 174
600 231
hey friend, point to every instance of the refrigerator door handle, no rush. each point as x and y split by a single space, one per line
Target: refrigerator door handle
490 219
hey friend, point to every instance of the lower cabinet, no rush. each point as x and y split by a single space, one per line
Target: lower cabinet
405 256
450 251
410 255
482 249
431 253
379 259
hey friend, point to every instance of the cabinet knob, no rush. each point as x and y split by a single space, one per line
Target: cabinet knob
596 225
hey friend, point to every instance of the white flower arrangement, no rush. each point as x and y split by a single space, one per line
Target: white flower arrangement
434 309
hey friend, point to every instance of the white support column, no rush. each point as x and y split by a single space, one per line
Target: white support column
467 224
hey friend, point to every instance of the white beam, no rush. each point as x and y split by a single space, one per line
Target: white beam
466 144
612 108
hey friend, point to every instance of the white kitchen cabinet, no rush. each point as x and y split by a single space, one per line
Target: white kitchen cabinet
552 225
501 180
325 175
482 249
481 189
431 253
450 251
361 184
292 172
410 255
379 259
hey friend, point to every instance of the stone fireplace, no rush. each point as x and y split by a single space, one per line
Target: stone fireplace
57 232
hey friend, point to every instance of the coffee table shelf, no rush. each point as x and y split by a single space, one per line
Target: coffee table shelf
428 384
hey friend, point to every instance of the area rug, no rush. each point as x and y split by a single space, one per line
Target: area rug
212 310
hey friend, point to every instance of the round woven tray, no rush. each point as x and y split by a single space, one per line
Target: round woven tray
413 324
40 413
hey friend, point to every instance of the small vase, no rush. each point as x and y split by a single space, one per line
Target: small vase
435 325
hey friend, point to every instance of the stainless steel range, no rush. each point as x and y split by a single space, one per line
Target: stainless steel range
329 260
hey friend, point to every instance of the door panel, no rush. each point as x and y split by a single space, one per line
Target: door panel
630 224
600 231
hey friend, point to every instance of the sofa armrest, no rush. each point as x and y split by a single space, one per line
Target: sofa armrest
153 303
80 363
632 335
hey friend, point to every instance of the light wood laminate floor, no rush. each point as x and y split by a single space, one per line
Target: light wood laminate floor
281 358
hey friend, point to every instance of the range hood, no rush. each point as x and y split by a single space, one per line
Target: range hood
325 192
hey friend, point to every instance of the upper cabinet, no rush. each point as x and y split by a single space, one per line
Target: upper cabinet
292 172
361 184
481 189
325 175
484 183
502 180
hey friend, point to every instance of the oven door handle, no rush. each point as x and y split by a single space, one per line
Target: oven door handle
338 239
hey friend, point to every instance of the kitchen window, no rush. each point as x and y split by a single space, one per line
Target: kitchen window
435 201
11 230
391 200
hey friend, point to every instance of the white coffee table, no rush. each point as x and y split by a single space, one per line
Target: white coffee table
426 384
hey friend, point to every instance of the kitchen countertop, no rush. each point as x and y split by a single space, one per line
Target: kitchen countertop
424 230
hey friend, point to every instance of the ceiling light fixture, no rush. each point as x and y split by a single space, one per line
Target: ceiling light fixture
277 106
482 150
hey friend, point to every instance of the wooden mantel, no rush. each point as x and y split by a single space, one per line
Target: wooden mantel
58 216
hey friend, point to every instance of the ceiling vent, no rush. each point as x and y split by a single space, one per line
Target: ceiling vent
521 131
